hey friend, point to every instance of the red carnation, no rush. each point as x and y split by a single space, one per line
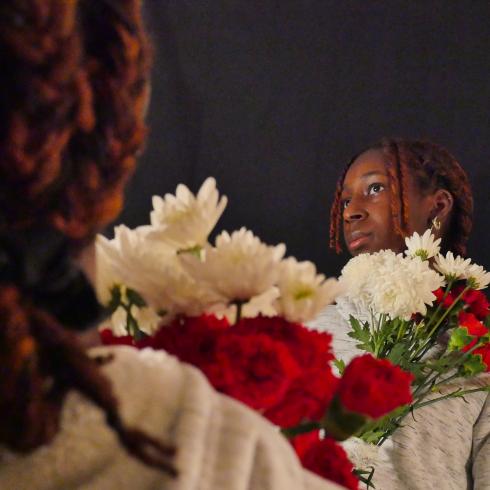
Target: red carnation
447 301
484 352
309 347
253 368
326 458
474 327
476 300
307 398
374 387
191 339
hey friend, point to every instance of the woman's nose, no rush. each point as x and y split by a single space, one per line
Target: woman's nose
354 211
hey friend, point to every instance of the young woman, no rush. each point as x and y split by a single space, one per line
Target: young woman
387 192
73 89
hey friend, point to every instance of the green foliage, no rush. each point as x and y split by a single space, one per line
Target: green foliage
459 339
340 365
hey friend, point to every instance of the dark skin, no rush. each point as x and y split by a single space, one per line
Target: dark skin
367 221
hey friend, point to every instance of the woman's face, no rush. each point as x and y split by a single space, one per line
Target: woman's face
366 206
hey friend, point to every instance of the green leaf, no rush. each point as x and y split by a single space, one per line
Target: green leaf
459 339
397 353
135 298
359 332
115 298
340 365
473 366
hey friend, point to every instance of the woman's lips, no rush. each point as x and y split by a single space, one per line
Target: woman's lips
358 242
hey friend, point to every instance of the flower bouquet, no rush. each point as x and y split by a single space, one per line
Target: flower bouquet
424 312
236 310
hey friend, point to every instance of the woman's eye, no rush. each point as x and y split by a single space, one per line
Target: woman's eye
345 203
375 189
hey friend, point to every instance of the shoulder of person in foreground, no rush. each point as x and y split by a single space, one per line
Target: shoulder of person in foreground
221 444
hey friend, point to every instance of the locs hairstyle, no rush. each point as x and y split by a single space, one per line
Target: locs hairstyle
433 167
72 93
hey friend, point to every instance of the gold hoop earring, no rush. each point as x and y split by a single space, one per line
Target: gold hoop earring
436 223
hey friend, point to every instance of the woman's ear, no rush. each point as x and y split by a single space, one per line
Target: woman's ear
442 206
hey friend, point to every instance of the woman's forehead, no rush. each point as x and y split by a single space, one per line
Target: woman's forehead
371 162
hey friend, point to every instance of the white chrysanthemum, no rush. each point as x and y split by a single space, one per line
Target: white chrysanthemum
185 220
304 293
238 268
404 286
389 283
137 260
425 246
130 260
477 276
356 274
452 267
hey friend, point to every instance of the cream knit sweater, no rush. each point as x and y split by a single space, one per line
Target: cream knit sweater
222 445
445 447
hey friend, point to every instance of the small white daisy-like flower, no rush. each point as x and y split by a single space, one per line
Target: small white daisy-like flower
452 267
238 268
424 246
185 220
303 292
477 276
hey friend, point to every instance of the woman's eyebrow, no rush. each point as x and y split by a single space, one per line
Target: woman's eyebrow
365 176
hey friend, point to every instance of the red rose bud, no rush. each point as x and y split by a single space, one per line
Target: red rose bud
325 458
374 387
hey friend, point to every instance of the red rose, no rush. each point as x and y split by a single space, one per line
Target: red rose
253 368
326 458
374 387
309 347
307 398
107 337
474 327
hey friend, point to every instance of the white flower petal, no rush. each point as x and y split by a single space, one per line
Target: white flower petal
238 268
452 267
425 246
184 220
304 293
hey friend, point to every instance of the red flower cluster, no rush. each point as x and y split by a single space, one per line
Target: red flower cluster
475 328
474 301
326 458
280 368
374 387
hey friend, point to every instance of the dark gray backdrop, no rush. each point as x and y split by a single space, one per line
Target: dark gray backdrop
272 97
